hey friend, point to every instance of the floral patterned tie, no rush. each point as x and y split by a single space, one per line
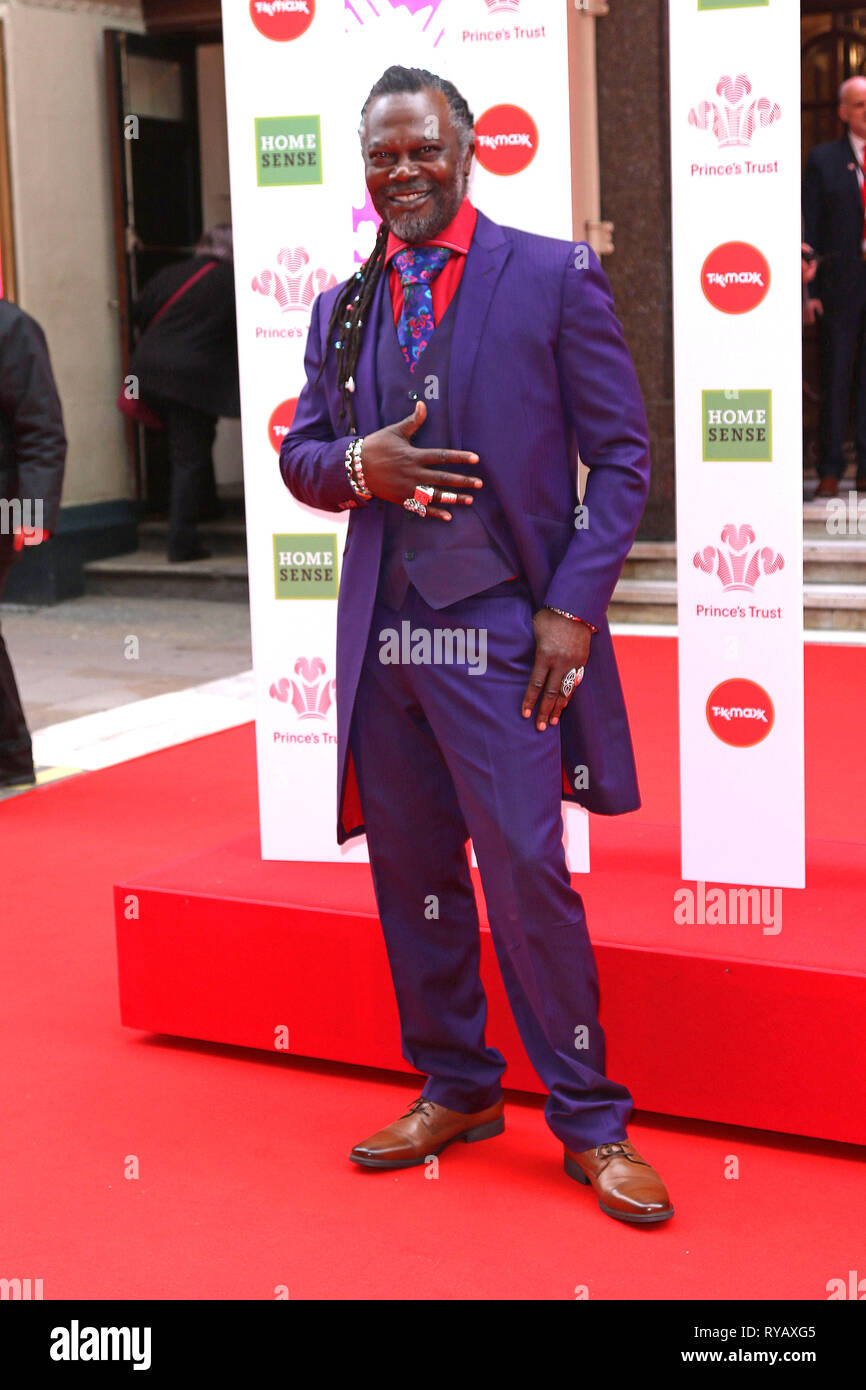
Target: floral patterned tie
418 267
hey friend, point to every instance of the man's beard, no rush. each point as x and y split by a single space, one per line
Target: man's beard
415 227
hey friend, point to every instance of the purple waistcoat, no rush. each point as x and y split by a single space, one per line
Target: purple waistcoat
445 560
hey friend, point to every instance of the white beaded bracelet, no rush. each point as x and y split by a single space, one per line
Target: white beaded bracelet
355 469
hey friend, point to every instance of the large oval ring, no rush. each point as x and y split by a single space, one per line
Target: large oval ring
412 505
570 680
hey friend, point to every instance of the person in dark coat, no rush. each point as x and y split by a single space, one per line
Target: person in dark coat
186 363
32 464
834 226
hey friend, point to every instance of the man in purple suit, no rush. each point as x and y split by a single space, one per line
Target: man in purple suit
450 384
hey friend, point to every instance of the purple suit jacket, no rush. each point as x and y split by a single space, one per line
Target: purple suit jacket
539 369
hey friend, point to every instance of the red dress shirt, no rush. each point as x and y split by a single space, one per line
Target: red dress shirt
457 236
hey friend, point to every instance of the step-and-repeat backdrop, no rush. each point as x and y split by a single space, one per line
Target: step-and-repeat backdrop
297 74
735 167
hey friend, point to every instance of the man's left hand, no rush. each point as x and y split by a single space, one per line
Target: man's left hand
560 645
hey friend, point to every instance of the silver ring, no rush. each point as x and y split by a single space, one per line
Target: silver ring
448 497
570 680
412 506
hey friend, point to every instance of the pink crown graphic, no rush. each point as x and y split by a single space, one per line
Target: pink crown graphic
311 696
361 9
293 286
502 6
740 564
734 123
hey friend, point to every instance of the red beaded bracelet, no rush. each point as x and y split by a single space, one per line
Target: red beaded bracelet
562 613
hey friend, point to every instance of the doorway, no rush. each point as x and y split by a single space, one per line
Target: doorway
170 180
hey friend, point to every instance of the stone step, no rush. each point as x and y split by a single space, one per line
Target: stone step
651 560
827 520
147 573
826 560
835 577
837 606
228 536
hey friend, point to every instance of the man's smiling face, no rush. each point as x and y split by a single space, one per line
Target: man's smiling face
415 172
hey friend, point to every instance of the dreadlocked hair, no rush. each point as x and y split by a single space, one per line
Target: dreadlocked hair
347 316
354 300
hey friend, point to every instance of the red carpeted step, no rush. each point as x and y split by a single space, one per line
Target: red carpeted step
735 1023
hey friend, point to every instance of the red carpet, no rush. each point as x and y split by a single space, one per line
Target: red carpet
244 1183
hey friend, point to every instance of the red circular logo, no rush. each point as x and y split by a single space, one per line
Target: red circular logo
735 277
282 20
280 422
506 139
740 713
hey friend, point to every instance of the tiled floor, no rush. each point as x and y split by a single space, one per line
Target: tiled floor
105 679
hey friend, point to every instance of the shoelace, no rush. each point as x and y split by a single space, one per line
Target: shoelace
619 1147
419 1105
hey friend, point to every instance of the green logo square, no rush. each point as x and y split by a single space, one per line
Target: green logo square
730 4
305 566
288 150
737 426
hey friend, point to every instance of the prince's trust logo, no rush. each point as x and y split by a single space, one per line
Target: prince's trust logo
739 562
732 119
735 119
311 693
291 284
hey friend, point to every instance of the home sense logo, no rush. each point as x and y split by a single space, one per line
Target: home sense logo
735 278
740 713
737 426
305 566
288 150
506 139
282 20
280 422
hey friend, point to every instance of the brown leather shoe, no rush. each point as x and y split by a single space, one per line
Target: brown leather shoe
626 1186
426 1129
828 487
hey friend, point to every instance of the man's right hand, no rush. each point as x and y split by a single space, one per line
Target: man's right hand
813 309
393 468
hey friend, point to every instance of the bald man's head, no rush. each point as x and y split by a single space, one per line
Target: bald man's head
852 105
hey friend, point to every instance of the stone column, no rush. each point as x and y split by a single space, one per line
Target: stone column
634 147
